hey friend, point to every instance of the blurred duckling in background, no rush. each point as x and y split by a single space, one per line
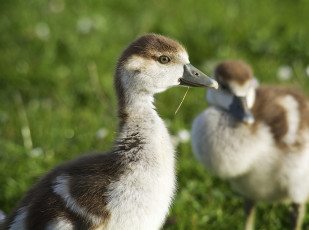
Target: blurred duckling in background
257 138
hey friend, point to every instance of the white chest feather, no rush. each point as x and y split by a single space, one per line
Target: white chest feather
142 196
231 151
226 148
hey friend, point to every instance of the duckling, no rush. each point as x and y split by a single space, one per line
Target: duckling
131 187
257 138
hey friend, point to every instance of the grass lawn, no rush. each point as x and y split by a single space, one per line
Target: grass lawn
57 101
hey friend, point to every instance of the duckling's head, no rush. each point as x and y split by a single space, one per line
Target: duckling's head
236 89
152 63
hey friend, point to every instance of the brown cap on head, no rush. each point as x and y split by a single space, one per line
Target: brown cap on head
148 45
236 70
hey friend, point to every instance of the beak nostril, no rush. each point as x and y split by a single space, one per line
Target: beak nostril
196 73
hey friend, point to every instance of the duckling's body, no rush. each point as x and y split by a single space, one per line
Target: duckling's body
129 189
267 160
131 186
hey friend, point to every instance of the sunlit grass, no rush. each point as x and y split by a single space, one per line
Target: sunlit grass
57 101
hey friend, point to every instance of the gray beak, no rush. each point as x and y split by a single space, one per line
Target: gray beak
194 78
240 110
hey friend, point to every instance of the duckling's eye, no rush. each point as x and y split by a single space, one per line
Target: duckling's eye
164 59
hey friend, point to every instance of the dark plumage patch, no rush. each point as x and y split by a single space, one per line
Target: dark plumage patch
132 144
268 110
237 71
89 177
88 180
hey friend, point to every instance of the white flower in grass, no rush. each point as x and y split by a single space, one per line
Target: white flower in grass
57 6
307 71
84 25
42 30
284 73
184 136
101 133
36 152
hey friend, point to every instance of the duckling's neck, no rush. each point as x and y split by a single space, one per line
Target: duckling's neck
141 122
139 111
136 106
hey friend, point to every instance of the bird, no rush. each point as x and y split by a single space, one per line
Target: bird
131 186
256 138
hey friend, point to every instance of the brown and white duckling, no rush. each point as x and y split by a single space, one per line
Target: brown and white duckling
257 138
131 186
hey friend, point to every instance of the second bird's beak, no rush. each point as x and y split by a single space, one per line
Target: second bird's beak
194 78
240 110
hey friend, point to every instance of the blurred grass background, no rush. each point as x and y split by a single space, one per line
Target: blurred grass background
57 59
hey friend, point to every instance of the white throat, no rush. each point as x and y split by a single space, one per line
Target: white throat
139 105
224 99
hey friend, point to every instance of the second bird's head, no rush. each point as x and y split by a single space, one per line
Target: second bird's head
236 92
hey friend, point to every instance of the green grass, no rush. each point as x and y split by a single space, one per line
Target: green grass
57 60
